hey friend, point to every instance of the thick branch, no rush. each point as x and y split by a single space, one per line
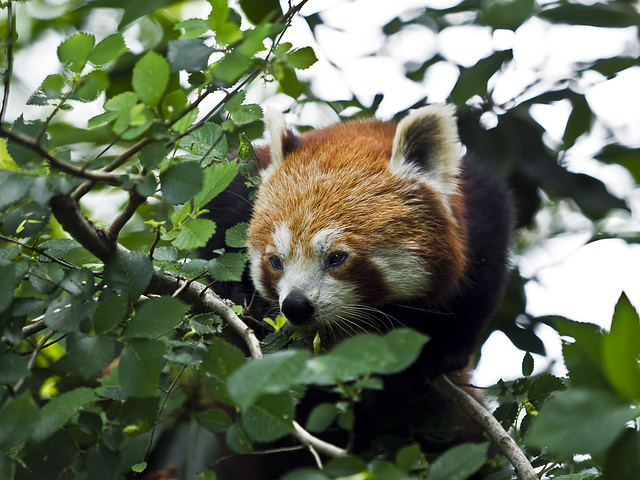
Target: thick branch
68 213
482 417
135 200
318 445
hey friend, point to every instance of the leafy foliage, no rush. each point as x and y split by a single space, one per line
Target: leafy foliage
111 341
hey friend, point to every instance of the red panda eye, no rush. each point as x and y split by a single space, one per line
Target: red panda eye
336 259
276 262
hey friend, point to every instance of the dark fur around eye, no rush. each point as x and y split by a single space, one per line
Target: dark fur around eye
336 259
276 262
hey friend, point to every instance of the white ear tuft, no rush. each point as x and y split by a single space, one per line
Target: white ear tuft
277 127
426 145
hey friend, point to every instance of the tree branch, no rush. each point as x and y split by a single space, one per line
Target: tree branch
95 240
482 417
52 160
135 200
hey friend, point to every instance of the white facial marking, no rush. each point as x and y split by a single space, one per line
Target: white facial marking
405 275
324 240
282 241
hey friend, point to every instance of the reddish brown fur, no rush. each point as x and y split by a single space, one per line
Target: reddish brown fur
342 174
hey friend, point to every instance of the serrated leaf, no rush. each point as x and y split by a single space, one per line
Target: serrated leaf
302 58
238 440
108 49
217 177
215 420
527 365
89 355
459 462
207 143
190 54
258 11
409 457
274 373
75 50
181 181
543 386
222 359
269 418
68 313
91 86
8 283
139 467
506 414
109 313
228 267
150 78
129 273
59 247
140 365
194 234
165 254
24 156
621 350
597 418
60 409
18 418
12 368
156 317
193 27
236 236
13 187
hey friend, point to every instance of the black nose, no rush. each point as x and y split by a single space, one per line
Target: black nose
297 308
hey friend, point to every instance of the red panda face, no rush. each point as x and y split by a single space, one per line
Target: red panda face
356 216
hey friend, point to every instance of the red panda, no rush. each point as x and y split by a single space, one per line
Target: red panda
368 225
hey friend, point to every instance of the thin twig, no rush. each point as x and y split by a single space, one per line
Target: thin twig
62 262
32 359
482 417
320 446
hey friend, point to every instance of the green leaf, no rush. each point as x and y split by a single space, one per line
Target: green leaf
527 365
410 457
217 177
207 143
26 220
238 440
208 475
190 54
302 58
579 121
129 273
108 50
228 267
59 247
259 10
473 81
543 386
222 359
60 409
596 417
194 234
140 365
236 236
110 313
596 15
269 418
305 474
150 78
13 187
366 354
274 373
70 313
247 113
181 181
89 355
193 27
152 155
75 50
8 283
174 103
459 462
139 467
18 418
12 368
24 156
215 420
165 254
621 350
321 417
507 14
92 85
156 317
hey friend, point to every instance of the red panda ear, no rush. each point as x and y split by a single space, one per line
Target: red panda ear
426 145
283 140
